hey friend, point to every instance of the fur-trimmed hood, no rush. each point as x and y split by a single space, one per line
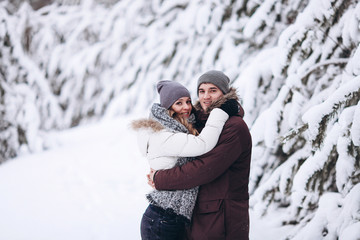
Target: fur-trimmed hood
146 123
232 94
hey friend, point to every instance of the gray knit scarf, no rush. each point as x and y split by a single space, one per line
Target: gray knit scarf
181 202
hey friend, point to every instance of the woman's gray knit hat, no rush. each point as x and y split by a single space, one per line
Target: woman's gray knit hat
170 91
217 78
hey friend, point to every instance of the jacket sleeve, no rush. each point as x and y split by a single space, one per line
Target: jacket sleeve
177 144
205 168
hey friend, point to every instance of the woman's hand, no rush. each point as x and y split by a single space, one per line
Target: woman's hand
231 107
150 178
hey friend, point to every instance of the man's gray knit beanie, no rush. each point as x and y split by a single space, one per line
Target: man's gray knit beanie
217 78
170 91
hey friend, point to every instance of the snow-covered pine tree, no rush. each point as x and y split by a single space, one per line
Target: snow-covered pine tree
27 105
309 145
295 64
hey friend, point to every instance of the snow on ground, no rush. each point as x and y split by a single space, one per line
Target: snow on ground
89 185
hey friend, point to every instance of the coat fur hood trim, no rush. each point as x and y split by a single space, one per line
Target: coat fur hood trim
146 123
232 94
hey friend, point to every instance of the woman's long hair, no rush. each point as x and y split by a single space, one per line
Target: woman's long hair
184 122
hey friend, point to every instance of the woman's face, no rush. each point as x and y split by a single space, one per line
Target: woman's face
182 107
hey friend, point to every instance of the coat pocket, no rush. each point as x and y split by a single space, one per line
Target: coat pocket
209 221
209 206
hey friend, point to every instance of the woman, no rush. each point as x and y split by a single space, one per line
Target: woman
166 139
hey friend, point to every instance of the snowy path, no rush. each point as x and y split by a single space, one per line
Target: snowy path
89 185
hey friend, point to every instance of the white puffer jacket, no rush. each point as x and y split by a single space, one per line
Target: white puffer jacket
162 147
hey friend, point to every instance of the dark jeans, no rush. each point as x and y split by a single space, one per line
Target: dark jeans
158 224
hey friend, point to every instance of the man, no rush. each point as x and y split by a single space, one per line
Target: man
221 210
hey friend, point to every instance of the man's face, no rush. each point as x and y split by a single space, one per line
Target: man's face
208 93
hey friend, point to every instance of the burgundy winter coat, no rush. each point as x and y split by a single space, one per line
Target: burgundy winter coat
221 210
